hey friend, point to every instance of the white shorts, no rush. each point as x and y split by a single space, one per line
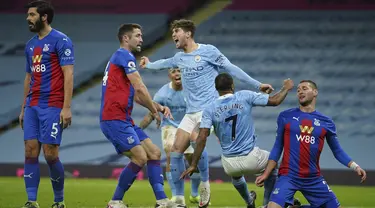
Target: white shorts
168 135
190 121
253 163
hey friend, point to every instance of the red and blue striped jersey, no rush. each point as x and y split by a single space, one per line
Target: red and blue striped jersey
44 59
302 136
117 91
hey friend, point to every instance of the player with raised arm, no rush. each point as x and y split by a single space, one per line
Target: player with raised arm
48 90
230 115
301 133
199 64
121 85
171 96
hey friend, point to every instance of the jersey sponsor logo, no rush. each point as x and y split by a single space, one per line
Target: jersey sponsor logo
37 58
220 60
306 138
306 129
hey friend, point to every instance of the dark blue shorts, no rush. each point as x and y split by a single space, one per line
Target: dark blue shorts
42 124
315 190
123 135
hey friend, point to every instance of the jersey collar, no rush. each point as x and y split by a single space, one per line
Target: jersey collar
225 96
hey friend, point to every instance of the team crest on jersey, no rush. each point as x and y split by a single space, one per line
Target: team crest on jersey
130 140
197 58
316 122
46 47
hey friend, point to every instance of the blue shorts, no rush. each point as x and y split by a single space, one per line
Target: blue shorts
123 135
315 190
42 124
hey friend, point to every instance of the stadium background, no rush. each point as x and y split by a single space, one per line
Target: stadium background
329 41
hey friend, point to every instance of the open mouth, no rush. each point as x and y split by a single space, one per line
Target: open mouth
176 41
178 79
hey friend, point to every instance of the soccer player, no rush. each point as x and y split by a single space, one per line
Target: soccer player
48 89
301 133
121 85
231 117
199 64
170 95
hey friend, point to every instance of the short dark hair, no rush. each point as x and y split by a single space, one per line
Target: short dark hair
185 25
312 83
126 28
43 8
223 82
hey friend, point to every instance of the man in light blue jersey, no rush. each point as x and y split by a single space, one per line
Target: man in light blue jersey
171 96
199 64
230 115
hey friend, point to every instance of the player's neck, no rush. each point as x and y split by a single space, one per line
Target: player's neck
126 47
44 32
222 93
307 109
190 46
176 87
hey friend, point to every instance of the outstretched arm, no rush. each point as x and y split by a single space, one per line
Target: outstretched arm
157 65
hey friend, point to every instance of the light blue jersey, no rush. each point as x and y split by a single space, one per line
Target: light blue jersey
198 72
175 101
231 117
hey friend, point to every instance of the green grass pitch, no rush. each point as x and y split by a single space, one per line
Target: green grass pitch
91 193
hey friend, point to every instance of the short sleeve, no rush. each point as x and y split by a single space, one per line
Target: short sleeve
255 98
126 61
65 51
28 65
158 97
206 121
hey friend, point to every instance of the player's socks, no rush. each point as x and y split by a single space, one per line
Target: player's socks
155 177
177 168
195 181
171 184
202 164
127 177
56 172
241 186
32 177
269 183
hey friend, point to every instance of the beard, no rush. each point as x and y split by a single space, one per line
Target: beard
37 26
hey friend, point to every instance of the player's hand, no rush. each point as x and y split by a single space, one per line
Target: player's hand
267 88
188 171
259 181
66 117
144 61
20 117
167 113
361 173
157 118
288 84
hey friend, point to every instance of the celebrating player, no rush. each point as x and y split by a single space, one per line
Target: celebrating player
301 133
231 117
170 95
121 85
48 89
199 64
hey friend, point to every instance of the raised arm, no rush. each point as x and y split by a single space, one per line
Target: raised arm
218 59
157 65
277 98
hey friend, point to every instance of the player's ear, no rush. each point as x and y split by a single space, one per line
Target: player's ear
315 91
188 34
44 18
